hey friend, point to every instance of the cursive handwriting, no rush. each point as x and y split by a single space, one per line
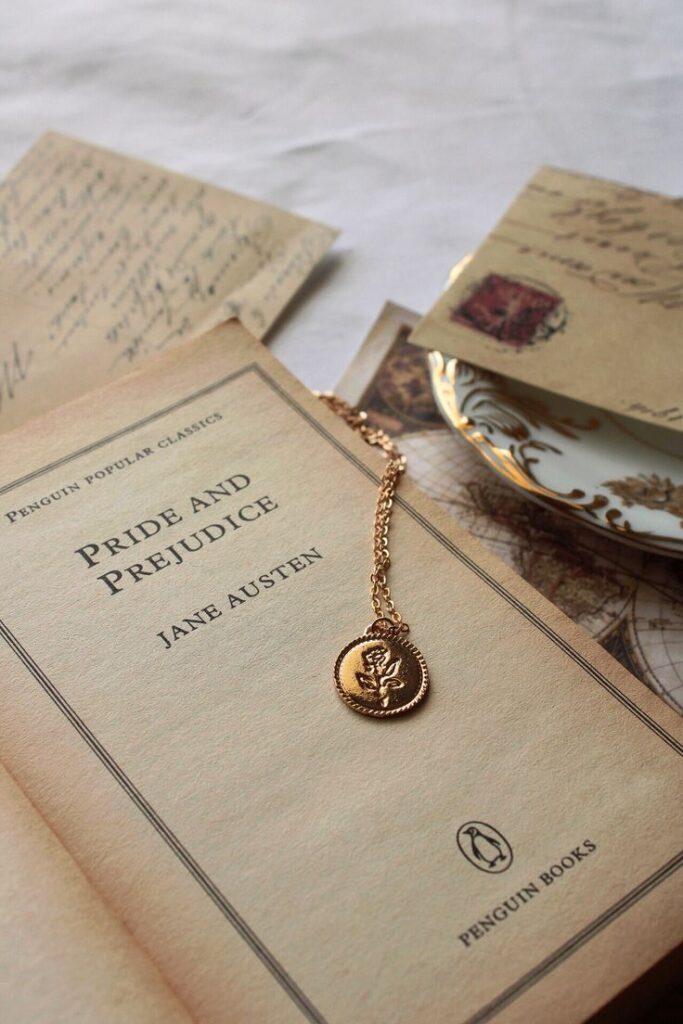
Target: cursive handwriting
14 369
132 258
641 289
617 239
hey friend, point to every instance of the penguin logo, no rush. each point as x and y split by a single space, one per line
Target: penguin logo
484 847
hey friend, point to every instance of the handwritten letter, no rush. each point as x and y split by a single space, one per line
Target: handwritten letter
106 260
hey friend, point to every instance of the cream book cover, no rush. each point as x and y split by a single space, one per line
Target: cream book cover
577 290
185 553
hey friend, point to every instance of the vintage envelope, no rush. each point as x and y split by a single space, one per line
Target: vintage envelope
579 290
105 260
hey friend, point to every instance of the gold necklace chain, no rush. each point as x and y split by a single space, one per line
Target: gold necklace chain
379 673
388 619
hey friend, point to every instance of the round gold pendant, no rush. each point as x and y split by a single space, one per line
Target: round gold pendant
381 675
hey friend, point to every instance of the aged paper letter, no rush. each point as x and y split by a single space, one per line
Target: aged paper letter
185 553
105 260
578 290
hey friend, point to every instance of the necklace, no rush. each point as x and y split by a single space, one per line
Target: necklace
379 673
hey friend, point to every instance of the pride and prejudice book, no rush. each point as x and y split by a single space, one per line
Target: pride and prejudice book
196 828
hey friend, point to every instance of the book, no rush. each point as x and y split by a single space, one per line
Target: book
577 291
185 552
106 260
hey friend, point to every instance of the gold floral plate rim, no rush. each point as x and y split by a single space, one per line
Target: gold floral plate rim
516 462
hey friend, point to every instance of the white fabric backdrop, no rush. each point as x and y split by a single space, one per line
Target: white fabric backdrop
410 124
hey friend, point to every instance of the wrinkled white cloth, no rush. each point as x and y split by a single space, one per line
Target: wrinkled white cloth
410 125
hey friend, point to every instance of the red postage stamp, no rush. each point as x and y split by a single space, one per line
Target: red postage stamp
516 312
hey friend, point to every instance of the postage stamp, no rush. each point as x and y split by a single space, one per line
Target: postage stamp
516 311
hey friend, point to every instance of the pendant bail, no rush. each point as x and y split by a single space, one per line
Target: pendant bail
384 626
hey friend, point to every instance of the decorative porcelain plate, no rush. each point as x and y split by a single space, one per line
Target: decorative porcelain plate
609 472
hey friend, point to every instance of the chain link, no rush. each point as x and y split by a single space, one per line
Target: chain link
388 619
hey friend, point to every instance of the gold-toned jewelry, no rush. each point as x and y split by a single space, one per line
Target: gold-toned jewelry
380 673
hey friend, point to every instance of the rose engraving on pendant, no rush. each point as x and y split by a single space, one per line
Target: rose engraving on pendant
381 674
